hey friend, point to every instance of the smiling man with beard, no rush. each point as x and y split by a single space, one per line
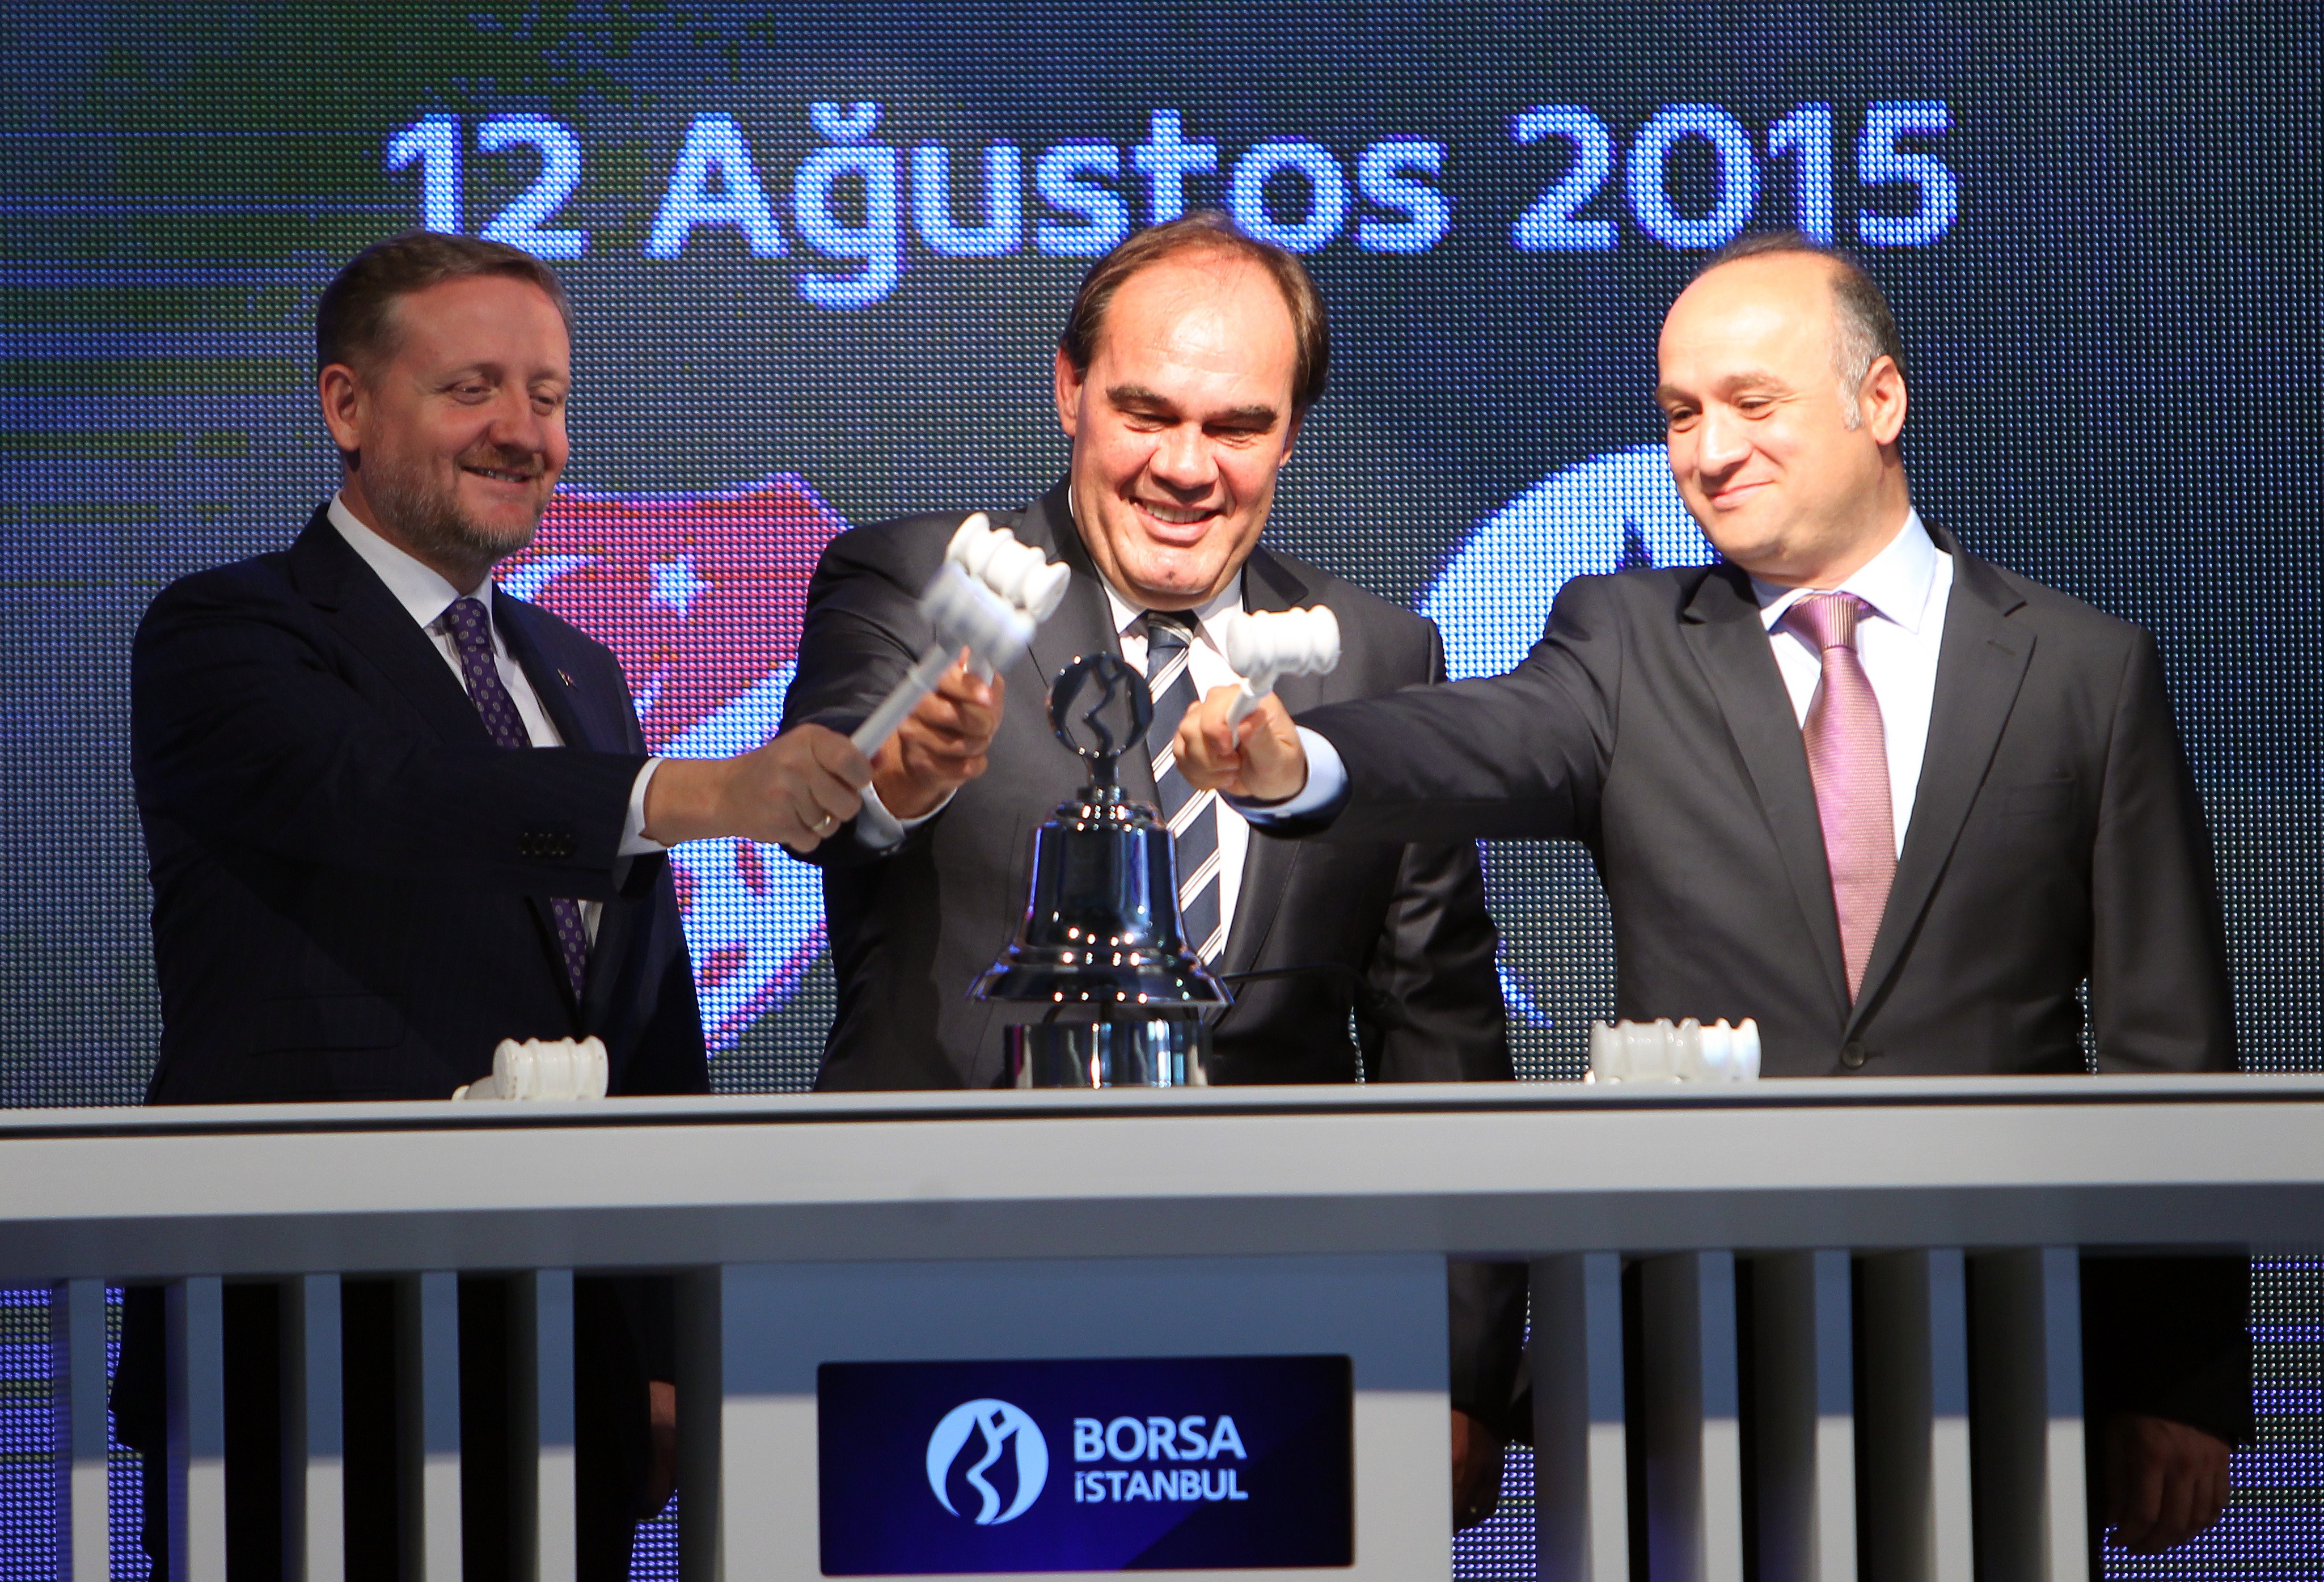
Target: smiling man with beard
1188 363
395 816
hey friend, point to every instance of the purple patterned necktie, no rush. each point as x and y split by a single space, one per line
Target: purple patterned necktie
1848 759
472 629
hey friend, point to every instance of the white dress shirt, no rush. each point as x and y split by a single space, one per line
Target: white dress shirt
1907 585
1206 662
426 597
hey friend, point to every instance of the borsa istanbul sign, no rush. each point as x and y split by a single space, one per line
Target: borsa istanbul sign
1131 1439
1176 1462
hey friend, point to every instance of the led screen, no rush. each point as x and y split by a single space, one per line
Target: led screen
819 256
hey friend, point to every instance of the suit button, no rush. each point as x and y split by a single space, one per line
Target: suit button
560 846
1853 1055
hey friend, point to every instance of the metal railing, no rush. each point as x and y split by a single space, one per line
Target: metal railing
1933 1224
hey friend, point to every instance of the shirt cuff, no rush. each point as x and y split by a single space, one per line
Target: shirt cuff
1327 783
881 831
633 825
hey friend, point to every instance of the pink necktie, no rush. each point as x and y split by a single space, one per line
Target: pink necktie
1848 759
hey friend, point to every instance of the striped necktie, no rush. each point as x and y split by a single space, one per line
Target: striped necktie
1193 815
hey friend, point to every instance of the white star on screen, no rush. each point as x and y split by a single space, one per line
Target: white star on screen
675 585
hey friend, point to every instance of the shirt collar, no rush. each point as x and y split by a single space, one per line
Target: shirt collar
1896 581
1127 615
418 587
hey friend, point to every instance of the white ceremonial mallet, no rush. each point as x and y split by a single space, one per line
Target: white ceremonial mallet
966 614
1264 645
557 1068
1017 572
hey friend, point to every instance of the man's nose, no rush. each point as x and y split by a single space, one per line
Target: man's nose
518 425
1183 460
1719 442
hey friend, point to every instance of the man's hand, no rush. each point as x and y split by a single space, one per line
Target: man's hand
1261 760
792 792
1477 1452
2165 1482
941 745
661 1443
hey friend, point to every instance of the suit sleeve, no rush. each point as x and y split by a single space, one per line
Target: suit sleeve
2158 996
243 727
1434 967
2167 1337
1521 756
862 631
1434 963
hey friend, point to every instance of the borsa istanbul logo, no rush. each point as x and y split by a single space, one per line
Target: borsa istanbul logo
976 1435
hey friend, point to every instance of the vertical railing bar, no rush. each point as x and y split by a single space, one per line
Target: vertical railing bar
1953 1524
1722 1418
314 1447
1804 1435
77 1371
1671 1416
2066 1441
549 1508
197 1429
428 1331
2026 1416
1580 1466
1694 1494
1835 1407
701 1429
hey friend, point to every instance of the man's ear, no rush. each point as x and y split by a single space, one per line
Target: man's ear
1068 385
1881 397
1291 437
340 392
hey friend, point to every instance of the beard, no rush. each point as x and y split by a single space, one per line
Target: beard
426 511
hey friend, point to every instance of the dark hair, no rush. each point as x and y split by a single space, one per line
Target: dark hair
1205 231
1865 327
354 322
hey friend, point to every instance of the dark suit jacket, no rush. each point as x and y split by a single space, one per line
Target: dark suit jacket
350 887
2056 837
350 879
910 929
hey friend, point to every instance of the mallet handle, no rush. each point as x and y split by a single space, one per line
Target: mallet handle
1253 689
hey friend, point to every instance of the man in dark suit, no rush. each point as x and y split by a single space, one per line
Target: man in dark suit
1190 359
1894 802
359 889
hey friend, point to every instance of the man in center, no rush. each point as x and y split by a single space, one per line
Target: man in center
1189 361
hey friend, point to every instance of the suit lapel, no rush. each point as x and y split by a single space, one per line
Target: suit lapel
324 568
559 692
1083 622
1268 584
1981 661
1723 627
329 571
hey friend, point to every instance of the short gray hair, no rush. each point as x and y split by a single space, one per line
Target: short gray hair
1864 328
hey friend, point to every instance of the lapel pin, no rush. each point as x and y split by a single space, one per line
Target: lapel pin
565 676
